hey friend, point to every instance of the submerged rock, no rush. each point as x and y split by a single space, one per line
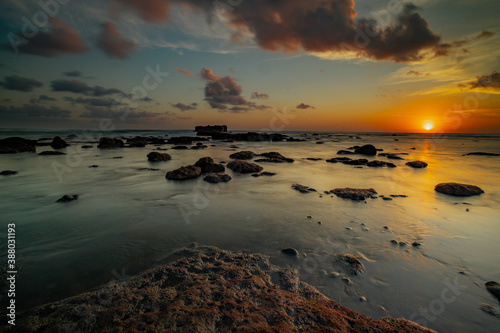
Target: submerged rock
184 172
58 143
180 147
208 165
51 152
456 189
109 143
290 251
68 198
265 173
244 167
274 157
87 146
486 308
15 145
494 288
356 194
339 160
481 154
366 150
345 152
8 172
302 188
243 155
158 157
217 178
417 164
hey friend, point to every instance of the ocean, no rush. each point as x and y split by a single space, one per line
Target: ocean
127 220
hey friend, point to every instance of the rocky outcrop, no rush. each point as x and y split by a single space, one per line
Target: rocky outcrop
274 157
459 190
51 152
217 178
68 198
303 188
210 130
356 194
8 173
208 290
366 150
15 145
208 165
243 155
417 164
377 163
110 143
184 173
244 167
158 157
58 143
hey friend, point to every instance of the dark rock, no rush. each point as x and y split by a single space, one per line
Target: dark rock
158 157
376 163
8 173
109 143
51 152
302 188
494 288
417 164
486 308
275 157
390 165
313 159
394 157
290 251
148 169
180 147
58 143
184 172
243 155
87 146
319 142
345 152
94 166
210 130
481 154
15 145
361 161
457 189
68 198
294 140
197 147
208 165
354 193
159 148
217 178
117 157
349 263
338 160
265 173
244 167
366 150
137 144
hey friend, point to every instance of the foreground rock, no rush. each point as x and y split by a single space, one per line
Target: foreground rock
208 290
217 178
494 288
366 150
244 167
184 172
15 145
68 198
459 190
274 157
208 165
350 263
158 157
109 143
417 164
8 173
356 194
243 155
58 143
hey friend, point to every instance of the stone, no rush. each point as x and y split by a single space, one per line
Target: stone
68 198
8 172
109 143
184 173
180 147
481 154
494 288
51 152
243 155
302 188
15 145
345 152
290 251
349 262
338 160
457 189
87 146
354 193
275 157
244 167
417 164
217 178
265 173
208 165
158 157
366 150
58 143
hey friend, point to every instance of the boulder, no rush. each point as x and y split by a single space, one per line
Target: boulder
15 145
366 150
417 164
109 143
158 157
217 178
58 143
8 173
243 155
290 251
244 167
274 157
208 165
459 190
68 198
361 161
356 194
494 288
376 163
184 172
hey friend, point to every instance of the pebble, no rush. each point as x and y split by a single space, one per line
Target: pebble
334 275
386 227
290 251
402 244
362 299
348 228
365 229
416 244
394 241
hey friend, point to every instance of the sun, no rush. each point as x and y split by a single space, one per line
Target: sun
428 125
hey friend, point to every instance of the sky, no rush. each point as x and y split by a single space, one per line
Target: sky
275 65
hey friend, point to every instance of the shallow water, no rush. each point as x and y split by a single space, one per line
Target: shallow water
127 220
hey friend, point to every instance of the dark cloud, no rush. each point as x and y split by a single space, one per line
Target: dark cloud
42 98
60 39
185 72
256 95
145 99
32 111
184 107
416 73
153 11
100 112
485 34
77 73
222 92
112 43
303 106
18 83
79 87
485 81
93 101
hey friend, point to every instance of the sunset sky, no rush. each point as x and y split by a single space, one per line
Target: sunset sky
325 65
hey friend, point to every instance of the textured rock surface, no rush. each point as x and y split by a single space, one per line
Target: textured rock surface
354 193
58 143
243 155
184 172
16 145
459 190
244 167
210 290
417 164
208 165
366 150
158 157
217 178
107 143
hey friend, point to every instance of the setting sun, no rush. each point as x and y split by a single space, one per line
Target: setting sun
428 125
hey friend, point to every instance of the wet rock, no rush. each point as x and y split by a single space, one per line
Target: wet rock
208 165
137 144
158 157
291 139
160 148
199 147
345 152
458 189
290 251
244 167
338 160
387 198
416 244
180 147
210 130
109 143
366 150
494 288
363 299
265 173
356 194
184 173
117 157
481 154
399 196
51 153
393 241
313 159
417 164
148 169
394 157
8 173
68 198
217 178
243 155
87 146
361 161
94 166
402 243
302 188
390 165
334 275
486 308
376 163
184 140
349 262
58 143
274 157
15 145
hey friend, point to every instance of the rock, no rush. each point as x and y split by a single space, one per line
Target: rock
361 161
180 147
394 157
68 198
291 139
334 275
290 251
457 189
416 244
51 152
160 148
210 130
402 243
489 310
302 188
275 157
366 150
345 152
354 193
148 169
390 165
377 163
338 160
109 143
387 198
15 145
494 288
158 157
313 159
94 166
184 172
417 164
350 263
243 155
117 157
58 143
217 178
244 167
481 154
184 140
319 142
399 196
137 144
265 173
202 146
208 165
393 241
8 173
87 146
363 299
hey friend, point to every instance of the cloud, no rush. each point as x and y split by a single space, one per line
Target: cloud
99 112
486 81
153 11
416 73
18 83
223 92
93 101
256 95
32 111
185 72
41 99
77 73
303 106
485 34
60 39
145 99
79 87
184 107
111 42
